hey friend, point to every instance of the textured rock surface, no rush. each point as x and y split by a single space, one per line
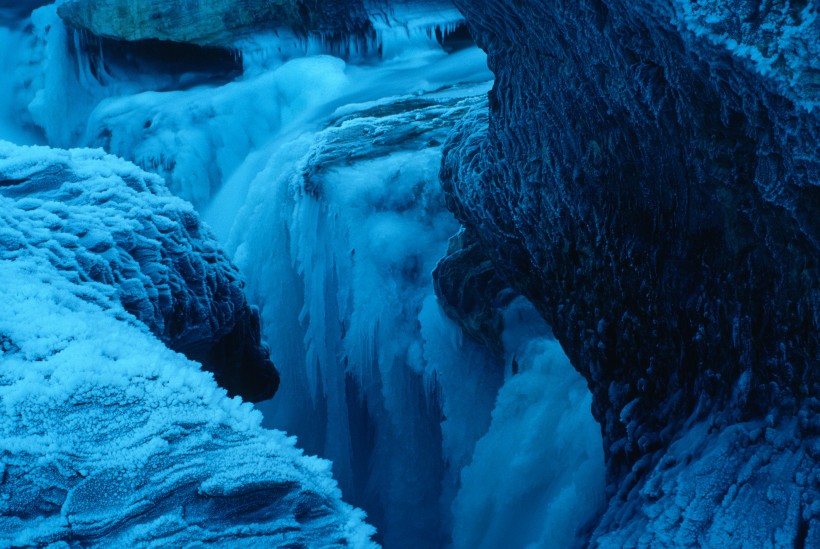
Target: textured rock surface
206 22
222 22
105 224
109 439
651 184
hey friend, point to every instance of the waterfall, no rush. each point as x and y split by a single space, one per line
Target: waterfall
320 175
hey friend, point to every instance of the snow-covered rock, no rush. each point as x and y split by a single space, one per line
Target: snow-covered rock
106 225
107 437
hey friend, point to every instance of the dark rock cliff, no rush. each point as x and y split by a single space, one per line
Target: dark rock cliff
652 184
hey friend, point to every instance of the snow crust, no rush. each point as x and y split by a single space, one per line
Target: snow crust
107 437
107 225
781 40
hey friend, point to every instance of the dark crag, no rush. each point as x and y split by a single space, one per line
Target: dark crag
657 198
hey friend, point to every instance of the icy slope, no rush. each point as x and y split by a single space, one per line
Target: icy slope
105 224
107 437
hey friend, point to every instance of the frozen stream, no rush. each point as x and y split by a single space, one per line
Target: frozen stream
320 175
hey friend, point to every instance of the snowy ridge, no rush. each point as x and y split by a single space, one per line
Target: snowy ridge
106 225
107 437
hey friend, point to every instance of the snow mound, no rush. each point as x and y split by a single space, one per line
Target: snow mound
118 235
107 437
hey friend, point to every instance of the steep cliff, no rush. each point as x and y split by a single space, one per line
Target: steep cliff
648 176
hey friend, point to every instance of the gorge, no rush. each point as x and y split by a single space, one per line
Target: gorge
531 273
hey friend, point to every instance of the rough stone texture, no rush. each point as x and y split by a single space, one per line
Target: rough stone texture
470 290
110 439
103 222
208 22
222 22
652 187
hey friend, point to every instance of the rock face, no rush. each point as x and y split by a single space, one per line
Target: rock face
649 178
207 22
103 223
221 22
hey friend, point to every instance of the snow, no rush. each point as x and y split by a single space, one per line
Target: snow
109 438
110 226
321 176
780 41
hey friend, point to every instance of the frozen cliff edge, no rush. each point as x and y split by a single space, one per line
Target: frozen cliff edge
108 437
654 191
103 223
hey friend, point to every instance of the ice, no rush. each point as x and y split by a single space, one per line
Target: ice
338 235
537 476
107 437
320 173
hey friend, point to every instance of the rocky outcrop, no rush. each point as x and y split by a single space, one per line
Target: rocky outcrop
470 290
105 224
109 439
219 23
207 22
649 178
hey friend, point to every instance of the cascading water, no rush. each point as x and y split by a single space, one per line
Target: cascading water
321 177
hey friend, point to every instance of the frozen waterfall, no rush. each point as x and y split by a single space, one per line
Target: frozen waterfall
317 167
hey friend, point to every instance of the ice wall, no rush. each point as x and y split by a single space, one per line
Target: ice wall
338 233
320 173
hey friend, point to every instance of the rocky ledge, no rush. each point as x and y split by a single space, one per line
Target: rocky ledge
648 176
219 23
105 224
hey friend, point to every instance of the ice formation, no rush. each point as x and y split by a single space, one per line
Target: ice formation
641 174
320 174
108 437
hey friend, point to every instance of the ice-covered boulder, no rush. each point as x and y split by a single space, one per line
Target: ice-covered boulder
203 22
104 224
107 437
